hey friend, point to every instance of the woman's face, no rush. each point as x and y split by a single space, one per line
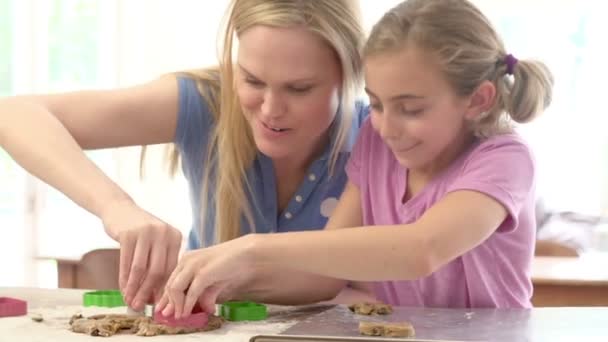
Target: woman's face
288 82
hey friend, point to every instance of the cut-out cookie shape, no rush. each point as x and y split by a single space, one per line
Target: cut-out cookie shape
402 329
371 309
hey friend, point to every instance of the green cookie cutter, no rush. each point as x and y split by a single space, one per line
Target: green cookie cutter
243 311
108 299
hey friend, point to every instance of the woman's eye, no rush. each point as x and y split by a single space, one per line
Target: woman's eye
300 90
254 82
375 107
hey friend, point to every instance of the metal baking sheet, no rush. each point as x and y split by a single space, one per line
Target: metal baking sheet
499 325
313 338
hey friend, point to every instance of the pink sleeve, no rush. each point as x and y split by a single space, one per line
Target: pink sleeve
502 168
359 153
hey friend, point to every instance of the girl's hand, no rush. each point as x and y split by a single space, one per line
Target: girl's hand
205 274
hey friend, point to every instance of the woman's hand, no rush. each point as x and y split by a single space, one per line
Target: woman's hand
149 250
205 274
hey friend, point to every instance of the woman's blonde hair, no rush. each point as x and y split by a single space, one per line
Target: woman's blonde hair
232 148
469 52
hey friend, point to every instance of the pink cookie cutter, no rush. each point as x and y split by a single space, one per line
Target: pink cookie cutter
198 319
10 307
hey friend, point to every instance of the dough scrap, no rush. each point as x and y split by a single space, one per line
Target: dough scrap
371 309
108 325
401 329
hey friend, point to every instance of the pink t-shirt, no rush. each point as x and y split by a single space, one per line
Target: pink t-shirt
496 273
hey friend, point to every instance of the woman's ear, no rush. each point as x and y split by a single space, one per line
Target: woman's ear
481 100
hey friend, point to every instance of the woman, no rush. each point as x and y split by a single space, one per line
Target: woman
263 138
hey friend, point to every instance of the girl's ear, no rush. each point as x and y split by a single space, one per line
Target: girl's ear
481 100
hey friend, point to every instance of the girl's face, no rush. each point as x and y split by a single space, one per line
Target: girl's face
288 82
415 110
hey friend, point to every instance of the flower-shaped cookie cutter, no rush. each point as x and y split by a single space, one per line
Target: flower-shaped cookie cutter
243 311
106 298
197 319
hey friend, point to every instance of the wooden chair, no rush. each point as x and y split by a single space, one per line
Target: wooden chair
97 269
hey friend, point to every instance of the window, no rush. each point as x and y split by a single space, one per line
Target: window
569 139
569 143
75 44
12 178
48 46
5 44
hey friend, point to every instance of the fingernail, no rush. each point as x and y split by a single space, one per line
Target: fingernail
137 304
166 311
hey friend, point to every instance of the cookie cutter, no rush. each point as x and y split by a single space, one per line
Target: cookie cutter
106 298
147 311
243 311
197 319
11 307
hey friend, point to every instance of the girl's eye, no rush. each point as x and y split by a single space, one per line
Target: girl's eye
411 112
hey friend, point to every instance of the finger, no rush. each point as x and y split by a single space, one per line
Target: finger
138 268
159 293
127 247
170 266
177 290
198 286
162 303
169 310
209 298
154 277
171 279
172 255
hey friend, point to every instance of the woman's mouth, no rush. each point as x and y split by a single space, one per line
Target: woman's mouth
274 128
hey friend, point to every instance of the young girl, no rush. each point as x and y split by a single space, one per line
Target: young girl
441 188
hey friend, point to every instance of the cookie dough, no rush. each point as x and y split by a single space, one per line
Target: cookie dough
108 325
371 309
402 329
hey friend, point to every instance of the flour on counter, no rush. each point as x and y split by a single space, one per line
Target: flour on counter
54 327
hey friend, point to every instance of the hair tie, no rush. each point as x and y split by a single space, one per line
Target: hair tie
510 61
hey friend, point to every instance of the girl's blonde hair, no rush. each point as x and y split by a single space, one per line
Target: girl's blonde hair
469 52
231 149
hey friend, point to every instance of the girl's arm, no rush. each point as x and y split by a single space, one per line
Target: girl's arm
229 270
454 225
289 286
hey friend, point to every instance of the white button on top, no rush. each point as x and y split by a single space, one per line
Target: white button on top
298 198
288 215
312 177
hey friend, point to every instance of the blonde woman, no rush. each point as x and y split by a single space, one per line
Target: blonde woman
441 187
263 139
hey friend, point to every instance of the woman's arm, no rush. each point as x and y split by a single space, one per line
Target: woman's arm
46 134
